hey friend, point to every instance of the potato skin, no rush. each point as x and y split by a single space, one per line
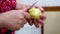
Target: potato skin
35 13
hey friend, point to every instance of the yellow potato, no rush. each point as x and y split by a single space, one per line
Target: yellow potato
35 13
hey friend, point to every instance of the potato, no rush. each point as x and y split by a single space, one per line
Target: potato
35 13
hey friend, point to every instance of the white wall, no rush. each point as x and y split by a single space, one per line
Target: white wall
43 2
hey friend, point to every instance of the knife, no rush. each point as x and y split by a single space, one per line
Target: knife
33 5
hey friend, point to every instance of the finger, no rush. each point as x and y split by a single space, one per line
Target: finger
42 16
25 9
13 27
23 21
40 21
36 23
26 15
30 21
42 10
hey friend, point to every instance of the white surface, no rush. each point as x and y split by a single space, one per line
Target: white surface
43 2
28 30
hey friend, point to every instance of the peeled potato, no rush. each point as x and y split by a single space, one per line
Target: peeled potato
35 13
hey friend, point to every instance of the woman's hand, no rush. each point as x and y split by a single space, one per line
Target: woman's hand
15 19
36 22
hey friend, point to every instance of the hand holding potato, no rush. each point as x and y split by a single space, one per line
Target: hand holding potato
37 16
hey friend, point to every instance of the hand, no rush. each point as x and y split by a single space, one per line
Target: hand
36 22
15 19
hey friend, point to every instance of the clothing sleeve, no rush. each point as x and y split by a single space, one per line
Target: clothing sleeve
6 5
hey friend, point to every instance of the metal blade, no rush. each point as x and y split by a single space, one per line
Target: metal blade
33 4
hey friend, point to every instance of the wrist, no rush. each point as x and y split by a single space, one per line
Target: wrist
21 5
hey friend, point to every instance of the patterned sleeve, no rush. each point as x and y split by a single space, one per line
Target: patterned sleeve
6 5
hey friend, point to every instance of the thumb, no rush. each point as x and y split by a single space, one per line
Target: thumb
26 15
25 10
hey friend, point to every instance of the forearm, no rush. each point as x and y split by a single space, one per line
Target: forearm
1 24
1 21
20 5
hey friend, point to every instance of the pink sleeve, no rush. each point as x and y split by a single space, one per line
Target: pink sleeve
6 5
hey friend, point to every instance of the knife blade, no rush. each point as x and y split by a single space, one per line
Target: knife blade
33 5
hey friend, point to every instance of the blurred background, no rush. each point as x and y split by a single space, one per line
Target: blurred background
52 22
